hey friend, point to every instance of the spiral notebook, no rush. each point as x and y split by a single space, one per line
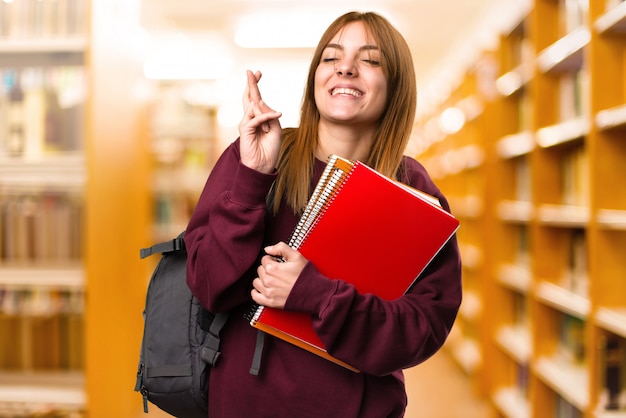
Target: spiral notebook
354 220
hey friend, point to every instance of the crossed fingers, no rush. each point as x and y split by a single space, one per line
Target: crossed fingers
252 101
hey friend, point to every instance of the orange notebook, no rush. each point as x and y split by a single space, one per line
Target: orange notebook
354 220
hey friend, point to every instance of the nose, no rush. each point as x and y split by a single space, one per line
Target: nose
345 68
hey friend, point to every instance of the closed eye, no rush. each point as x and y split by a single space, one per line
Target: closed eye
372 62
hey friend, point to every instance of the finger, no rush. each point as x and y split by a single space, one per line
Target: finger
279 250
249 111
253 87
264 119
257 285
246 91
264 107
258 297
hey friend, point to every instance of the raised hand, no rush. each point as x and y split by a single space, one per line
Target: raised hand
259 129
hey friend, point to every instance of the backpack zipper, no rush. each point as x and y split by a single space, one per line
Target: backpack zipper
139 387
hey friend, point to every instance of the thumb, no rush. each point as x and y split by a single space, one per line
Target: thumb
279 250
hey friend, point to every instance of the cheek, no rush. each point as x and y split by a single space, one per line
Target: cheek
381 98
319 87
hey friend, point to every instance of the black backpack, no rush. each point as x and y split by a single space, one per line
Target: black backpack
180 341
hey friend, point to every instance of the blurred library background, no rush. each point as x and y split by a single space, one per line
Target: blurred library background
113 112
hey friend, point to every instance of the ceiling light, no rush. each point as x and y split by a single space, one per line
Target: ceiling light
452 120
178 57
281 30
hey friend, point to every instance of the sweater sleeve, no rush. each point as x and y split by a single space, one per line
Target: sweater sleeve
225 233
380 336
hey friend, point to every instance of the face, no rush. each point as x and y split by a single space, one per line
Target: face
350 86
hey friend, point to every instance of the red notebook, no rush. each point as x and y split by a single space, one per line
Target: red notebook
352 219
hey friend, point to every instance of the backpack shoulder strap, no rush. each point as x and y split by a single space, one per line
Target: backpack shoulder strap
258 352
176 244
210 351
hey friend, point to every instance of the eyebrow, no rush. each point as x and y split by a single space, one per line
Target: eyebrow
363 48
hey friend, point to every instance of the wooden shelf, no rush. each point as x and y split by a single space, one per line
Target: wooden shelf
471 307
611 219
515 277
562 133
38 46
512 82
516 341
512 403
42 52
613 320
470 206
516 211
516 145
614 117
65 171
467 355
563 215
472 256
42 278
563 300
610 414
34 393
613 20
568 380
566 54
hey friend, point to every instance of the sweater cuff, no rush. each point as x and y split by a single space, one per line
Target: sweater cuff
250 187
311 282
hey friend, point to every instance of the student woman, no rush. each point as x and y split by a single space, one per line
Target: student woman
359 104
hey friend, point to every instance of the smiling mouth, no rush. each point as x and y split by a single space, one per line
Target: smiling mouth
346 91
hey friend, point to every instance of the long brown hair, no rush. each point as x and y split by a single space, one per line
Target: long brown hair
297 155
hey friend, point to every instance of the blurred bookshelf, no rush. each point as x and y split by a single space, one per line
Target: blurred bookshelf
42 178
549 340
184 148
56 287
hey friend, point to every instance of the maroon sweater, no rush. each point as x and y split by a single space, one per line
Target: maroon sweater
225 237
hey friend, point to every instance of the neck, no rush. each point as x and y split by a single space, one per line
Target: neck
345 141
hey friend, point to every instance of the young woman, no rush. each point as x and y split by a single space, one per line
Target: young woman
359 103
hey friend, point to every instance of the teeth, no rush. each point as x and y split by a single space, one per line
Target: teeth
343 90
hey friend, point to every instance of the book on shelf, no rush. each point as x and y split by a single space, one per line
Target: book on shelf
520 310
572 339
523 183
573 94
44 328
574 183
613 369
36 19
573 14
524 111
565 409
41 110
522 250
522 374
576 277
42 227
356 214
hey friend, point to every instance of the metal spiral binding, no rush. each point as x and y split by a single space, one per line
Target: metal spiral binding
332 178
313 199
